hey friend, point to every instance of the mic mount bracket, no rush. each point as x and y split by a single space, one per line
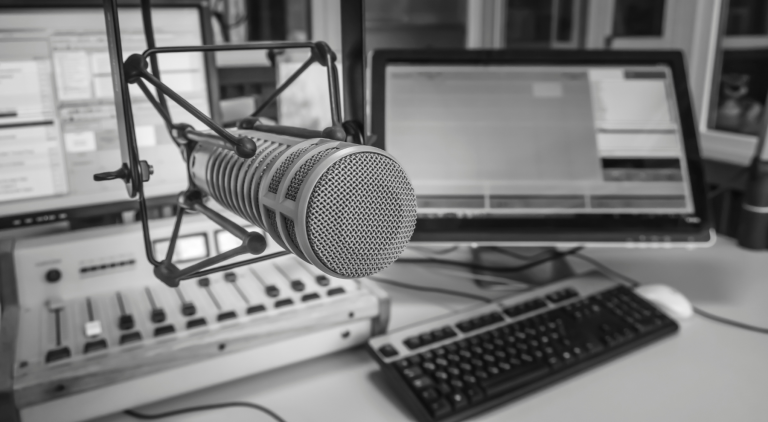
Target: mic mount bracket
134 171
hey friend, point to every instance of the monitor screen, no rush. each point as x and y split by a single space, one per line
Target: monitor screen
57 114
493 140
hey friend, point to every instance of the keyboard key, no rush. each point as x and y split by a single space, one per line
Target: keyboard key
474 394
513 379
439 408
412 343
422 383
387 351
430 395
335 291
95 346
413 372
562 295
458 400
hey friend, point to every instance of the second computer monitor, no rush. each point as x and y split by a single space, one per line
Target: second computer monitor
543 147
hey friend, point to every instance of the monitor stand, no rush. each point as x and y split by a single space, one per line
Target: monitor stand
544 273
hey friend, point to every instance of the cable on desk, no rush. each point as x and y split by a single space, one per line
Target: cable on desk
731 322
430 289
697 310
437 252
605 269
255 406
523 267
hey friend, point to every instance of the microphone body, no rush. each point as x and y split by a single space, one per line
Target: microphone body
347 209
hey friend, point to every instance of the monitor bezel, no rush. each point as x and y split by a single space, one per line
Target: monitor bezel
54 215
557 229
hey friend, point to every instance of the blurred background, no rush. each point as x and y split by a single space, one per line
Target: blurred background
725 43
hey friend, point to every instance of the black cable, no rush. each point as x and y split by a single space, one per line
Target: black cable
437 252
696 309
476 267
731 322
145 416
520 256
431 289
599 265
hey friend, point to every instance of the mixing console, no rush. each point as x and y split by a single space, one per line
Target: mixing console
91 331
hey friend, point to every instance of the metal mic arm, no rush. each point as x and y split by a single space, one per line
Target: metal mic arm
134 171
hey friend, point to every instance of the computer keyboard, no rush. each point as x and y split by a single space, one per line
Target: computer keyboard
452 367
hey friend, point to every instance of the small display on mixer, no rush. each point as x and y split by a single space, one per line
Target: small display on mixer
188 248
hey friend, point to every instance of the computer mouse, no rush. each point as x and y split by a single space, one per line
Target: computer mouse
671 301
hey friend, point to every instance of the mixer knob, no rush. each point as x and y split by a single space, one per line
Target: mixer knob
53 275
297 285
188 309
125 322
158 315
272 291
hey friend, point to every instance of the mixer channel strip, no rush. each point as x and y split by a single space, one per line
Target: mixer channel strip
453 367
139 317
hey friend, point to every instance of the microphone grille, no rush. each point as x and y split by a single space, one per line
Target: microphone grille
361 214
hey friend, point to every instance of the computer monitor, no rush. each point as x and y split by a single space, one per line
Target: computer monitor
543 147
58 124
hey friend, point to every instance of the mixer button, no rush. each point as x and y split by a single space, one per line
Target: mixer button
197 322
125 322
95 346
164 330
297 285
57 354
230 276
226 315
130 337
322 280
256 309
188 309
310 296
272 291
157 315
93 329
283 302
53 275
335 291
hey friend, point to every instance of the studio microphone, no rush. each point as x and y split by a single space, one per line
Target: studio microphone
347 209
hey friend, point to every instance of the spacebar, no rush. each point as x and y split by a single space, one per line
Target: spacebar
514 378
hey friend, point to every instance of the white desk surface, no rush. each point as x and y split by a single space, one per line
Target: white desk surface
706 372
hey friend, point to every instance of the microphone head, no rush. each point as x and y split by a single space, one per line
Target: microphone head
349 210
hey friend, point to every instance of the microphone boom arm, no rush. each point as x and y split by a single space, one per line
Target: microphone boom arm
134 171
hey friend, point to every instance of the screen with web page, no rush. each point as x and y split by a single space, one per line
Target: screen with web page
57 115
495 140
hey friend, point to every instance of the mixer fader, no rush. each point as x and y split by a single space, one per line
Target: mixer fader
104 325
